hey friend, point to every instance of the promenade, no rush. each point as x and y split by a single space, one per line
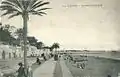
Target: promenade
46 69
52 68
65 70
49 68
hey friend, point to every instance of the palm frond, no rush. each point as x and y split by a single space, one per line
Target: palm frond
10 4
35 13
13 15
7 13
42 13
25 4
43 9
36 4
19 4
8 7
20 7
40 4
5 7
16 2
33 2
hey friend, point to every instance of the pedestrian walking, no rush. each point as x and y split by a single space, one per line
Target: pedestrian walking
108 75
42 54
21 72
3 55
56 57
38 61
44 58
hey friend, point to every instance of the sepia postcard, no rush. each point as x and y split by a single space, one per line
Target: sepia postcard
59 38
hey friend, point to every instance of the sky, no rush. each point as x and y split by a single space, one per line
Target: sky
76 24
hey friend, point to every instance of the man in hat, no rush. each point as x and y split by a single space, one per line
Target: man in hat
21 72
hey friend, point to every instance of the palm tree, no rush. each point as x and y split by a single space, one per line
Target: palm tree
56 46
23 8
51 48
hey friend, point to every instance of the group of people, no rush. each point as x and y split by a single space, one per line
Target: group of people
75 61
56 57
43 57
21 72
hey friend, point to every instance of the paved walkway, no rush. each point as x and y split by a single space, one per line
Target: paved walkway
49 69
46 69
58 70
65 70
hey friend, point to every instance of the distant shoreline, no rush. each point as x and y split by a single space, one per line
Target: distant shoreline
82 5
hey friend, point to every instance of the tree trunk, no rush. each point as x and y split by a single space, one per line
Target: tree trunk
25 39
56 50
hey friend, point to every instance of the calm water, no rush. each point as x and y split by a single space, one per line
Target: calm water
95 66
